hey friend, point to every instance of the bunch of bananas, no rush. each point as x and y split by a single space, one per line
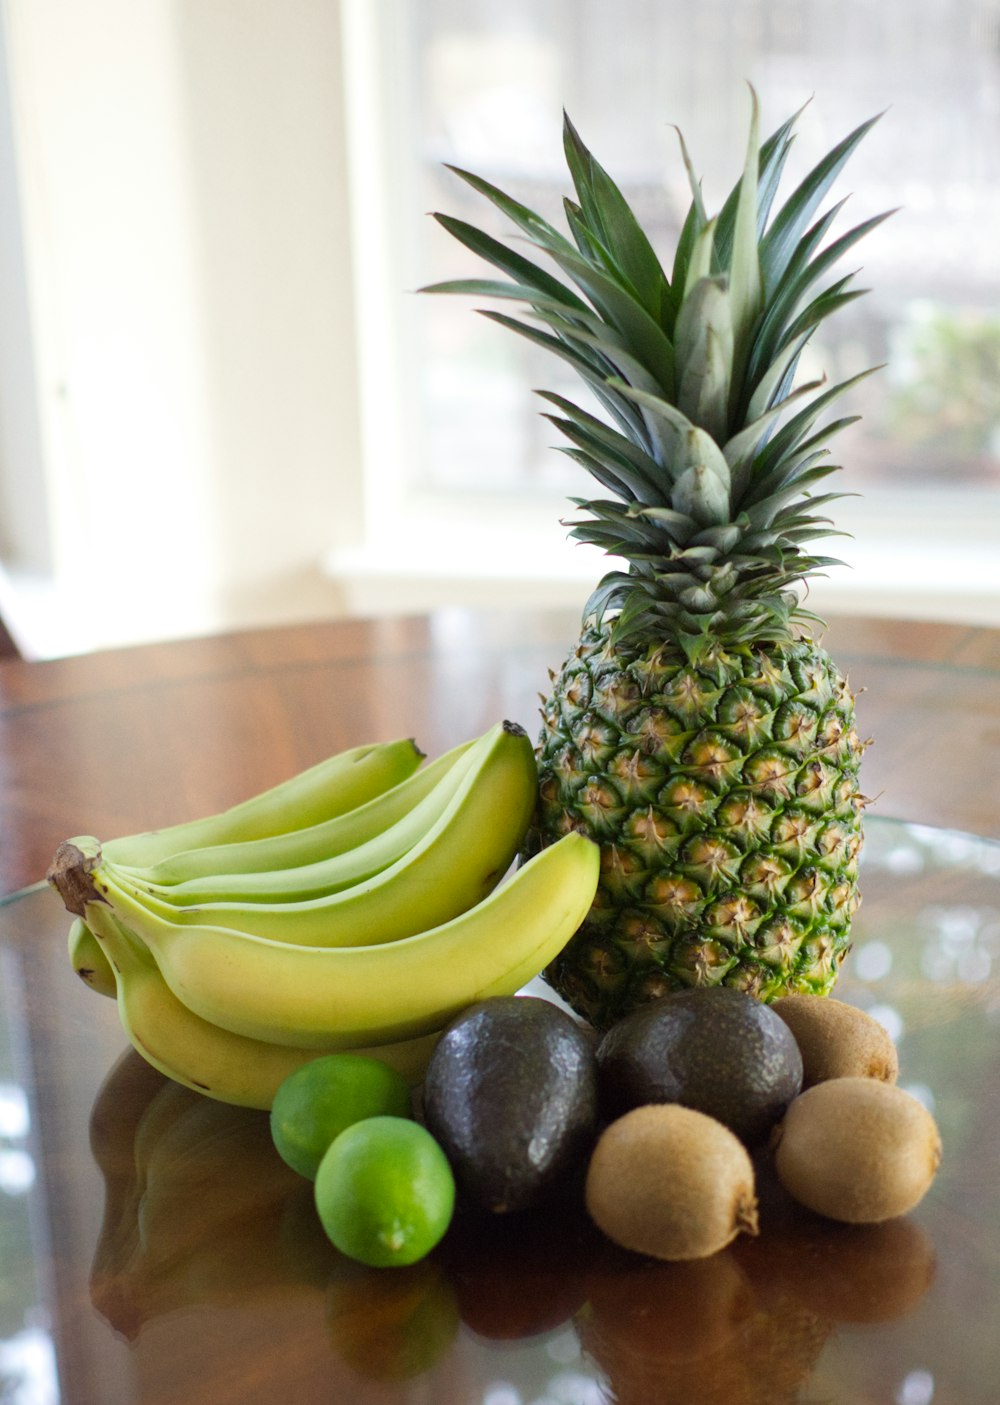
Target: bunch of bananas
358 905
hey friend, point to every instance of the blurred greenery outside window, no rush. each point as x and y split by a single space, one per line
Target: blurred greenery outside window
483 87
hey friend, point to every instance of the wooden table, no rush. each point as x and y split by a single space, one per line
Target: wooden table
161 1255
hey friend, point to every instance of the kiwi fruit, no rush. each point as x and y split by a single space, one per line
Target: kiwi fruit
857 1150
714 1049
837 1040
671 1183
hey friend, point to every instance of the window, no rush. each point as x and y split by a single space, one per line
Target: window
470 460
187 306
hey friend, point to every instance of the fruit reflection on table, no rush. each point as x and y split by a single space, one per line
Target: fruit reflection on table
201 1212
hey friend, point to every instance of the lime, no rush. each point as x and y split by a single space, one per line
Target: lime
385 1192
316 1102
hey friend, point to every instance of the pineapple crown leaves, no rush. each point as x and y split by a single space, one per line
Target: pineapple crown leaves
710 450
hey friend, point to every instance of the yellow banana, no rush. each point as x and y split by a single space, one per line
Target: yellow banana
456 863
88 959
337 835
342 997
339 783
305 881
351 835
193 1051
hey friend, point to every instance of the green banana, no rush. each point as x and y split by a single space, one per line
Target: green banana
339 783
199 1054
337 835
456 863
88 959
306 881
350 996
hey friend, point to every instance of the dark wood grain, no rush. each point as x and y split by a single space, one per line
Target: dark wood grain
115 742
177 1264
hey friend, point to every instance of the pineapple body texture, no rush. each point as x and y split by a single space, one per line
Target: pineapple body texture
725 799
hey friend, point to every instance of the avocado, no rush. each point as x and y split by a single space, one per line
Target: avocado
712 1048
510 1093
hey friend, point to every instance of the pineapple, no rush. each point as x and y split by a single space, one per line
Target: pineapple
697 731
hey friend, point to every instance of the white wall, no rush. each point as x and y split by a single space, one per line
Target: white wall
182 181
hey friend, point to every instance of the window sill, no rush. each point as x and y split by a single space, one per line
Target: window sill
425 570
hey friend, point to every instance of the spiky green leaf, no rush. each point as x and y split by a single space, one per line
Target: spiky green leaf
778 244
593 434
773 156
745 283
629 418
521 269
703 341
608 215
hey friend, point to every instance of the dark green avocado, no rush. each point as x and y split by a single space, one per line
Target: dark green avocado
714 1049
511 1095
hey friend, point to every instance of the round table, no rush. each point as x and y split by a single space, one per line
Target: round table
155 1249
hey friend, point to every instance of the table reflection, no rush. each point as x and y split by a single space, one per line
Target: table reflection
200 1212
157 1250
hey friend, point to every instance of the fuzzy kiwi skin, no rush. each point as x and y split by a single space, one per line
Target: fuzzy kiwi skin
671 1183
837 1040
856 1150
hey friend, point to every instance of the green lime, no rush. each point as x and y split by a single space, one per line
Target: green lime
385 1192
316 1102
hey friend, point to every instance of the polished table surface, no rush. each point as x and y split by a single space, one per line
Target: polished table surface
155 1250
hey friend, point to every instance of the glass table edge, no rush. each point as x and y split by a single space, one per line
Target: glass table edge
878 821
8 899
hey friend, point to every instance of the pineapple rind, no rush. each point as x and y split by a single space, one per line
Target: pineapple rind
725 798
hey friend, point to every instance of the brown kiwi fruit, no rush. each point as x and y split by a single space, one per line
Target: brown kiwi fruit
837 1040
856 1150
670 1182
